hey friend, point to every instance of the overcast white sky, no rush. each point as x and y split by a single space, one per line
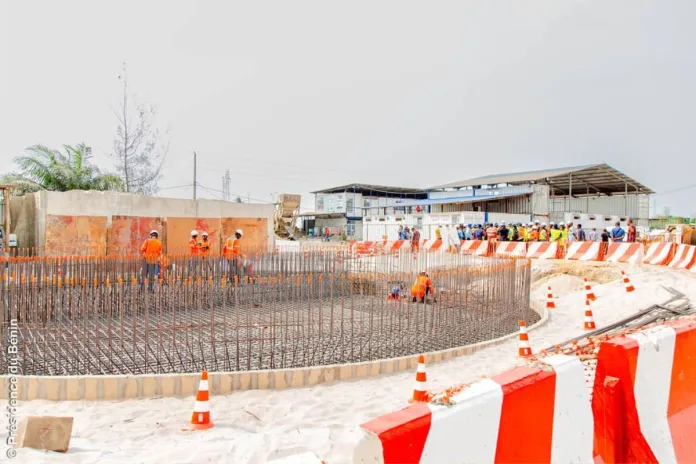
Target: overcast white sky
294 96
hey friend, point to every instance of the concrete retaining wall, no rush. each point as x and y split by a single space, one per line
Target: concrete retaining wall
114 387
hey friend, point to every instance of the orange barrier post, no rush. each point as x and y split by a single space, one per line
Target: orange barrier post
589 317
627 283
200 419
420 394
550 304
525 348
589 294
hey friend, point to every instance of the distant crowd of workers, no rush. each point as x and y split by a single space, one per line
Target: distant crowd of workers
156 263
541 232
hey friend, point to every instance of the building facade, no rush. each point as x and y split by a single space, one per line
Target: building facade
596 196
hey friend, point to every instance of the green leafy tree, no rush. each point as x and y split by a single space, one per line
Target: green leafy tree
43 168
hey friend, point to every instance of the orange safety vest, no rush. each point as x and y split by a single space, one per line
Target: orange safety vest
151 250
232 248
193 247
204 248
492 233
421 283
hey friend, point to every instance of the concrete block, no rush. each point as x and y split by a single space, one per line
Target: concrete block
402 365
345 372
45 433
314 376
297 379
91 388
149 386
361 370
225 383
72 389
33 385
130 387
244 380
279 380
262 380
166 387
110 388
189 384
374 368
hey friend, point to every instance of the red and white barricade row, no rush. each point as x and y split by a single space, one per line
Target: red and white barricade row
650 416
624 253
512 249
432 246
542 250
684 257
528 414
659 253
584 251
474 247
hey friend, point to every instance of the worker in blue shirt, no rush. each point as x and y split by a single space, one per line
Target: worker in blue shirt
617 233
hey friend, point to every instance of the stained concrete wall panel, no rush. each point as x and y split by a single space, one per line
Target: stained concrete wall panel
255 237
80 235
81 203
128 233
178 233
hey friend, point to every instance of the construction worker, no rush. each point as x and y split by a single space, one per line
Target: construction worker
204 251
193 251
438 234
556 233
151 250
522 233
415 241
422 287
543 233
534 234
233 253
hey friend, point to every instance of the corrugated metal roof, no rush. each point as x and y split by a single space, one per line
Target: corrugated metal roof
514 177
373 188
440 201
595 178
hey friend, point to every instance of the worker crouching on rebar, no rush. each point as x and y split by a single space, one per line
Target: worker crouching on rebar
422 287
233 253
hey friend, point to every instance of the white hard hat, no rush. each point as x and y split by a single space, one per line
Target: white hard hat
562 224
154 232
530 224
239 231
205 234
543 224
502 223
194 232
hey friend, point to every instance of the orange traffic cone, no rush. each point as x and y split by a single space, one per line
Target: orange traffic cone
420 394
525 348
627 283
589 318
550 304
589 294
200 419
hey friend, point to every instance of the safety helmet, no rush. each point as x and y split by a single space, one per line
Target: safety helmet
502 223
468 225
205 234
495 225
239 231
194 233
543 224
536 222
154 232
562 224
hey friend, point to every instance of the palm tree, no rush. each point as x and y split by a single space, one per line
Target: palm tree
43 168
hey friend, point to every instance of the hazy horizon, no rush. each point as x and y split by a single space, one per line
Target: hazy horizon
305 95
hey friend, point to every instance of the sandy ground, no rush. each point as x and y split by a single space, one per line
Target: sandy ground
258 426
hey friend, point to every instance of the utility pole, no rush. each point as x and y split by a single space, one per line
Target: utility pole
194 175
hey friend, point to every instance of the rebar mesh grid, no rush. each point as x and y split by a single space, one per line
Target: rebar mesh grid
86 315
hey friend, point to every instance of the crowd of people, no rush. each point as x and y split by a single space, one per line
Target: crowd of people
542 232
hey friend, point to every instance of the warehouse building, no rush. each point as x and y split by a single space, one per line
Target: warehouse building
594 195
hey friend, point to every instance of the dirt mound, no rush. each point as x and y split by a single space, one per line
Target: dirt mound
601 273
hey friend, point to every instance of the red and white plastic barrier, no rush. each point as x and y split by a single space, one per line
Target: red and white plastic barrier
655 375
583 251
624 253
659 253
684 257
474 247
512 249
542 250
528 414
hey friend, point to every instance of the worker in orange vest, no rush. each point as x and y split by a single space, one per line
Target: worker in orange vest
193 251
204 251
421 287
151 250
233 253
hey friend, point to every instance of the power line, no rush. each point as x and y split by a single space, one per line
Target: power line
677 190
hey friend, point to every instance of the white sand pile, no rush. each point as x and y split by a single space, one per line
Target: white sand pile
256 426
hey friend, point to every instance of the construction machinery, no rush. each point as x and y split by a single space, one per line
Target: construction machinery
286 214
